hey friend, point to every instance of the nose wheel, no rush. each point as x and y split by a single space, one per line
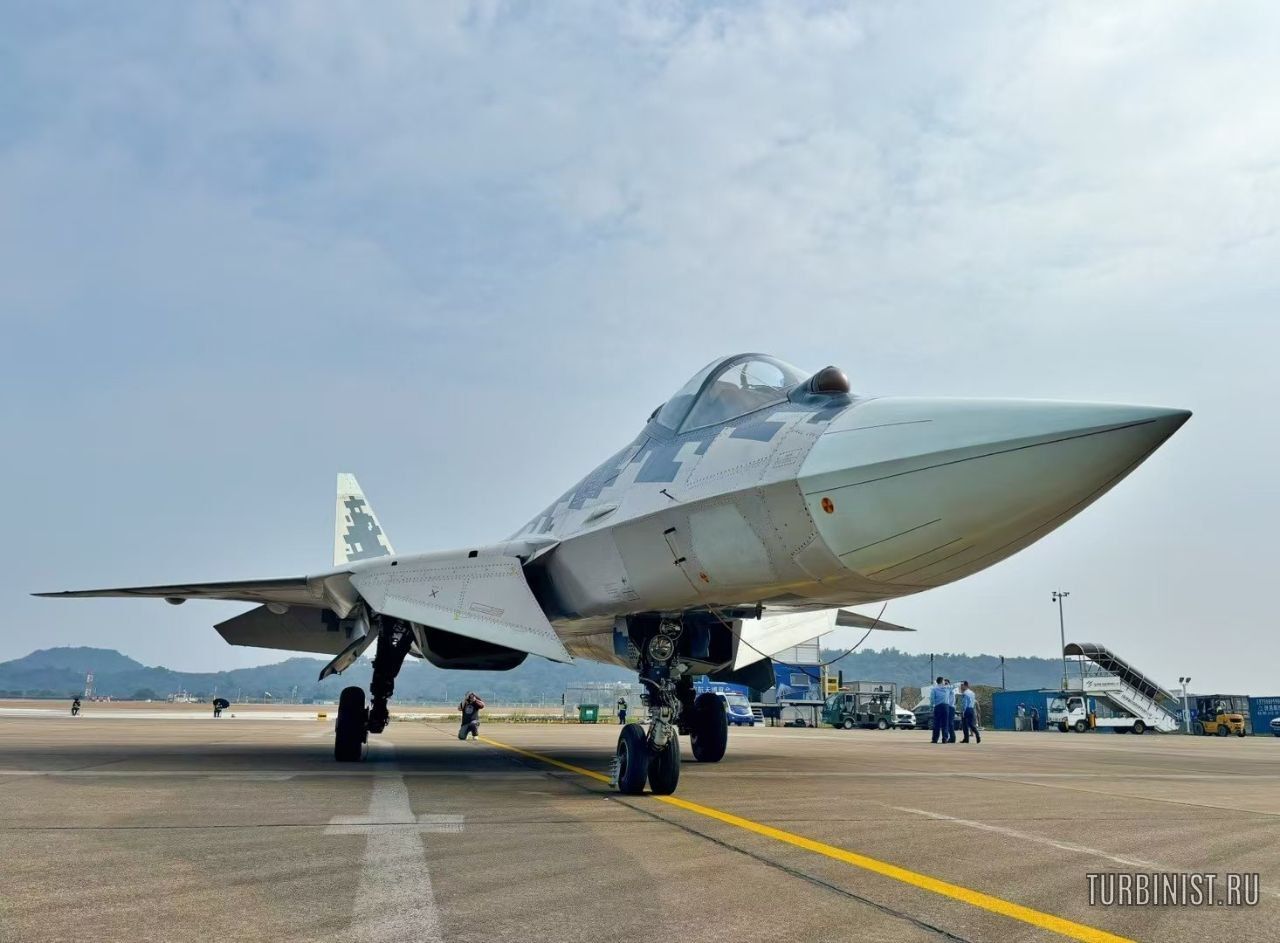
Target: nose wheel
637 760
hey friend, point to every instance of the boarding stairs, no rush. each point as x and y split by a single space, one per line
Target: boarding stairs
1104 674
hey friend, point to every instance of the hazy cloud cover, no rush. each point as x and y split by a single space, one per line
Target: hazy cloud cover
463 250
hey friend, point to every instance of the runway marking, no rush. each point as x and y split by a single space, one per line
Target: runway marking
1217 807
395 901
988 902
1037 839
1140 863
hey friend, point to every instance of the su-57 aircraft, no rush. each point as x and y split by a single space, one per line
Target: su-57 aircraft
756 489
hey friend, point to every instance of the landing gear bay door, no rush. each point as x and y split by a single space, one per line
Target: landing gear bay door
481 597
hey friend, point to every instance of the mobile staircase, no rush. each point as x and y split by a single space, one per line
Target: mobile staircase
1139 702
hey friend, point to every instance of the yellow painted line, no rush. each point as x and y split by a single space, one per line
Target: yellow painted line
988 902
601 777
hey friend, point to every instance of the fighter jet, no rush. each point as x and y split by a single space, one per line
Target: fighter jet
757 491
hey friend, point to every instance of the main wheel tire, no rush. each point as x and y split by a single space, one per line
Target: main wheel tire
1139 727
1224 730
882 724
633 760
349 733
1080 726
847 723
664 768
709 736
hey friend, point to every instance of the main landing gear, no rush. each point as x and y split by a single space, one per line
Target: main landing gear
674 708
355 723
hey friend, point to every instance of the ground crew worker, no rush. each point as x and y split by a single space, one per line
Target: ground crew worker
622 710
938 698
471 707
969 701
75 707
951 710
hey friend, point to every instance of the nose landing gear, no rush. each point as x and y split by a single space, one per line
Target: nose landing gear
654 755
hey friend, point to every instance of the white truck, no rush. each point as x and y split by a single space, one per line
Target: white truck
1124 711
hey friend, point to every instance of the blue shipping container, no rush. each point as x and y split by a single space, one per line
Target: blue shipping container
1261 710
1004 705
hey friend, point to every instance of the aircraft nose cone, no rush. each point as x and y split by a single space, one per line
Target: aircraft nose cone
920 492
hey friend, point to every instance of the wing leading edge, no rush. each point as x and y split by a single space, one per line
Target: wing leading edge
292 591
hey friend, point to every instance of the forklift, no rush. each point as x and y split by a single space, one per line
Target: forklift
1215 717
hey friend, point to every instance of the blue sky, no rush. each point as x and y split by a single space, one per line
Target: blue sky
464 249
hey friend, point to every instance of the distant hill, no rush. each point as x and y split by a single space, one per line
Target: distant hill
59 672
889 664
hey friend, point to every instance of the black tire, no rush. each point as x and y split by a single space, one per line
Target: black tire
633 760
1241 732
847 723
349 732
1224 730
709 732
1063 726
882 724
1198 729
664 768
1080 726
1139 727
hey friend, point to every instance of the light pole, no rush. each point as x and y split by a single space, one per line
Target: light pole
1058 596
1002 684
1186 711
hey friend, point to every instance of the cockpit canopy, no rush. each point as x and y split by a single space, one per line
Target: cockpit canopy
728 388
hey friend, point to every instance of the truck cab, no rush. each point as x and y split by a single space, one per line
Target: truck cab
1069 712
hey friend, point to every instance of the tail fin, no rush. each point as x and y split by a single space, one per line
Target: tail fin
357 535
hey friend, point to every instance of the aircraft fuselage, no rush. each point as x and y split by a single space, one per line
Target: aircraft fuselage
822 501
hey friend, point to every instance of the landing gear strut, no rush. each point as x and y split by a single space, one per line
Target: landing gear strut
354 723
674 708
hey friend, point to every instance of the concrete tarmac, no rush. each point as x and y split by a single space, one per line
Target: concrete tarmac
164 830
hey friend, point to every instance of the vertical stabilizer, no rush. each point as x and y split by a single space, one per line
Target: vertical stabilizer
357 535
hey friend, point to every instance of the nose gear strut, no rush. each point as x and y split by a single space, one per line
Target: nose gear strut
655 754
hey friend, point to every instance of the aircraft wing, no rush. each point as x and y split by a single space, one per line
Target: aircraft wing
291 591
480 595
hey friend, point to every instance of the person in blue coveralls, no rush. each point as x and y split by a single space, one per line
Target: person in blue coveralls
969 700
938 698
951 711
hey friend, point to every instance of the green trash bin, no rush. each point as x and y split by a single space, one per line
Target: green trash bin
588 713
